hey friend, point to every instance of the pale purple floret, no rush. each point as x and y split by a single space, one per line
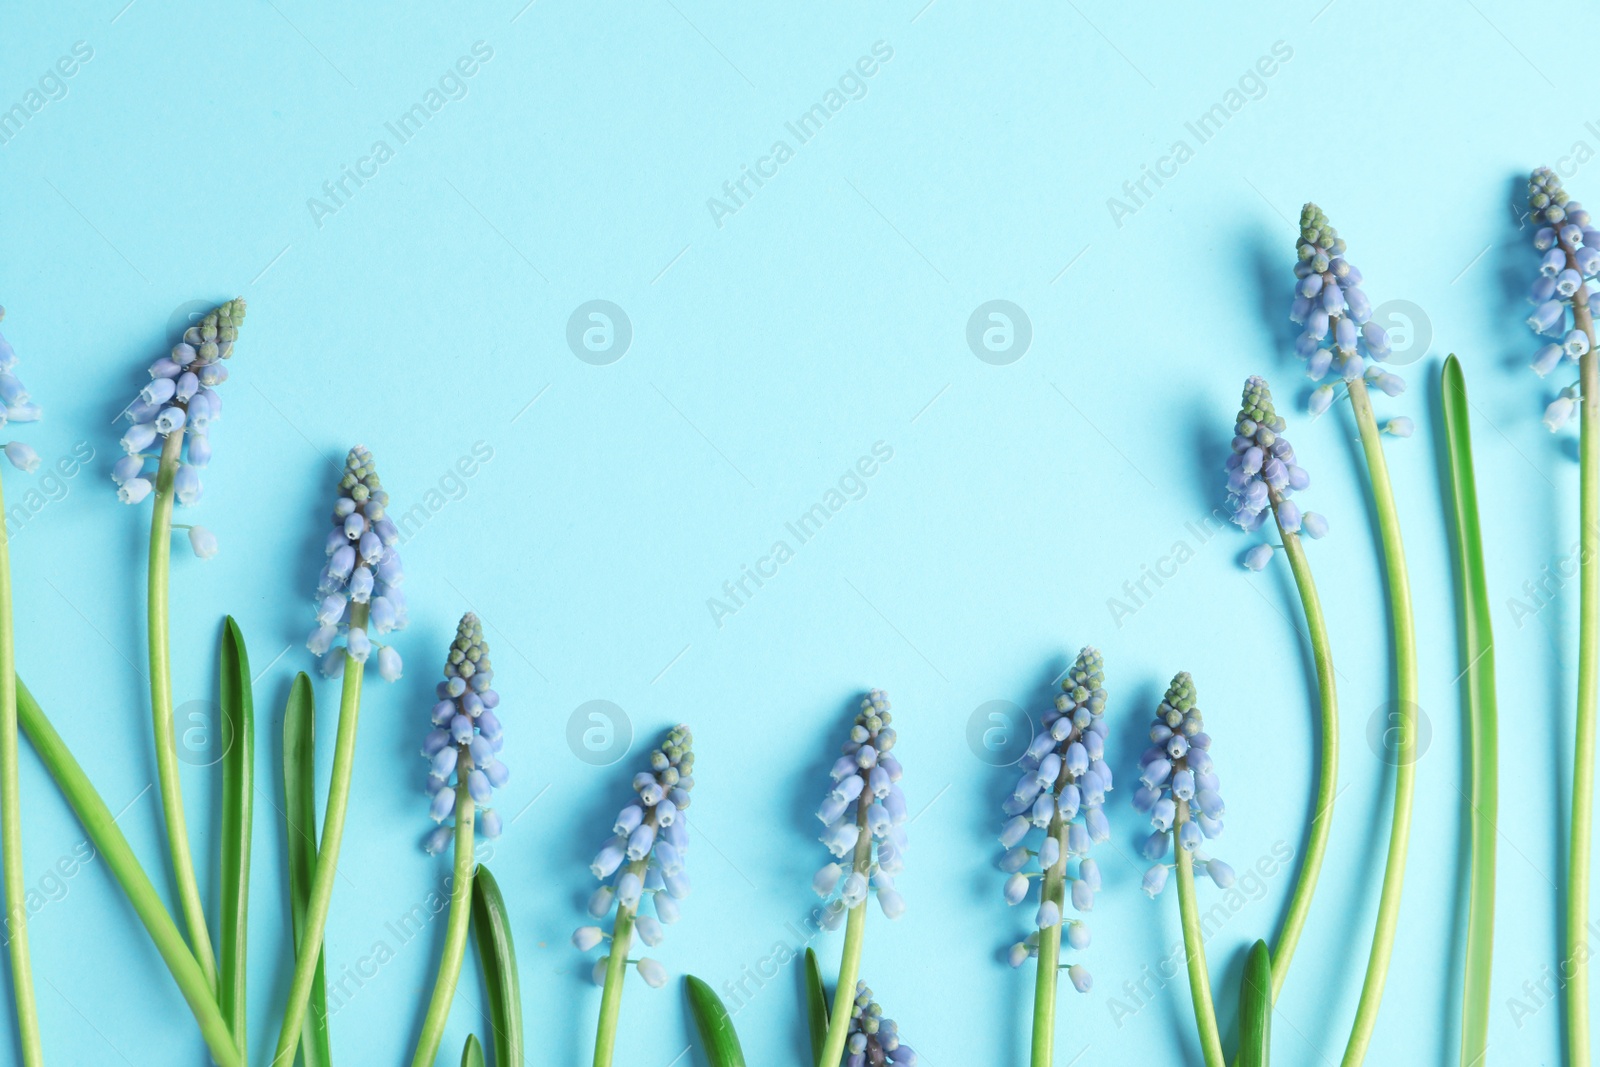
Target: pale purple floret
178 399
864 817
1340 335
457 744
16 406
1569 272
358 589
1186 805
1262 474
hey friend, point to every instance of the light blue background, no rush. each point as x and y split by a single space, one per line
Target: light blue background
828 313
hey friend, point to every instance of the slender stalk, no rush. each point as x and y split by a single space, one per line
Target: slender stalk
844 993
1405 716
605 1039
11 825
1044 988
1576 955
308 949
455 931
1294 919
101 826
161 710
1194 947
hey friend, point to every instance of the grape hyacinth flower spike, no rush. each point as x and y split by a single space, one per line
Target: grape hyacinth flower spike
1340 334
18 408
1569 247
643 858
358 593
463 743
1061 794
873 1040
1180 791
865 815
1261 477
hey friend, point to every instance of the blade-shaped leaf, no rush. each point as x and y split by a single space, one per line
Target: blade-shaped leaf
472 1052
238 790
1255 1008
491 929
816 1006
300 811
715 1026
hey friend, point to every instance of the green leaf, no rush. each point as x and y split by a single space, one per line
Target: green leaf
472 1052
816 1006
715 1026
300 814
491 928
1479 706
1255 1008
238 791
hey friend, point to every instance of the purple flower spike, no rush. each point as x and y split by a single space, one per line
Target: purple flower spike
350 599
460 749
1175 815
1567 269
865 812
1252 497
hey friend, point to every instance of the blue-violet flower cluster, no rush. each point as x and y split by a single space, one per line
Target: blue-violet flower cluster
1262 473
466 737
1336 313
645 855
180 399
865 816
360 584
1061 793
16 406
1179 787
873 1040
1571 251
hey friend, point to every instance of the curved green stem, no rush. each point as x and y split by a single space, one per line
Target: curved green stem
308 950
605 1038
1405 717
844 992
11 825
101 826
1576 955
456 926
1294 919
1044 989
166 742
1194 947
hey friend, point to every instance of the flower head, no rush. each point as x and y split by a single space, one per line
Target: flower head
181 398
1262 473
1568 267
1330 304
874 1040
462 748
359 586
1062 794
865 816
16 406
1178 786
644 857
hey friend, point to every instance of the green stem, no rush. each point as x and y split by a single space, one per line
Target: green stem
1294 920
1588 690
308 950
1405 716
605 1038
101 826
1194 947
161 710
456 926
11 824
844 992
1044 989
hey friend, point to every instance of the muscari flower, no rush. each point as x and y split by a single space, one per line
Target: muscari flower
645 855
865 816
360 584
466 738
181 398
1179 788
1263 475
16 406
1340 334
1062 794
874 1040
1569 264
